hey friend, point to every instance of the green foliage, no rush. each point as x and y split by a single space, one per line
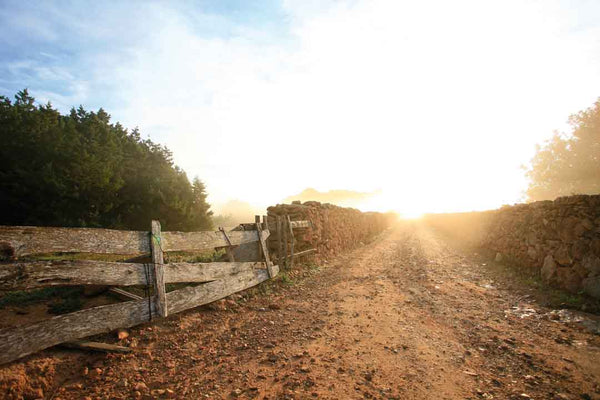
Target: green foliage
81 170
60 293
195 257
569 164
65 304
224 220
286 279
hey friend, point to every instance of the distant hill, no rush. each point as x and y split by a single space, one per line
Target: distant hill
235 212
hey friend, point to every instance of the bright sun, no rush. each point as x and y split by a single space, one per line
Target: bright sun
399 205
410 215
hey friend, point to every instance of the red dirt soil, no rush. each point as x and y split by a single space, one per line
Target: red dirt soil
408 316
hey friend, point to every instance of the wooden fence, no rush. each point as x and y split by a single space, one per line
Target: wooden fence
282 242
217 279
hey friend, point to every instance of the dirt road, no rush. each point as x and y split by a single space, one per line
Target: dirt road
406 317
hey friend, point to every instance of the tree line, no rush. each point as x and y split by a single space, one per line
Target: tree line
81 170
569 163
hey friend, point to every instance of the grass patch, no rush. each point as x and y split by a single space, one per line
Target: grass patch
65 305
63 299
285 279
547 295
195 257
313 267
569 299
265 288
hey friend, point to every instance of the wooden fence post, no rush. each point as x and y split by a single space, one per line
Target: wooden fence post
229 248
159 274
263 245
279 241
256 224
291 242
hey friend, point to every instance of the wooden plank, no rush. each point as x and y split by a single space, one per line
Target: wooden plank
206 272
279 241
96 346
18 241
124 294
305 252
245 227
191 297
196 241
285 231
23 240
292 240
37 274
294 225
272 226
228 249
250 251
300 224
19 341
247 252
264 249
264 235
257 228
158 269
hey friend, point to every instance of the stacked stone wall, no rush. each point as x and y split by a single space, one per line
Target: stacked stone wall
560 238
334 228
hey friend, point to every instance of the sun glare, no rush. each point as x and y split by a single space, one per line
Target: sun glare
410 215
385 202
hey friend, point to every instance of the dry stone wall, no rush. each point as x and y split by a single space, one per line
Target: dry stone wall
334 228
560 238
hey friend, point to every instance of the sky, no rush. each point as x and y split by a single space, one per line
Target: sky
435 105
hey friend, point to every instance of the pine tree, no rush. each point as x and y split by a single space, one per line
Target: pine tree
81 170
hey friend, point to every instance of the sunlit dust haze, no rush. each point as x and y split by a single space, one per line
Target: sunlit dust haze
429 105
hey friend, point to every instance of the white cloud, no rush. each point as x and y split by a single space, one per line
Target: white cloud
434 102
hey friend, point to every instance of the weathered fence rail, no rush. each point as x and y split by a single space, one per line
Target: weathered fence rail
20 341
18 241
217 279
282 241
38 274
